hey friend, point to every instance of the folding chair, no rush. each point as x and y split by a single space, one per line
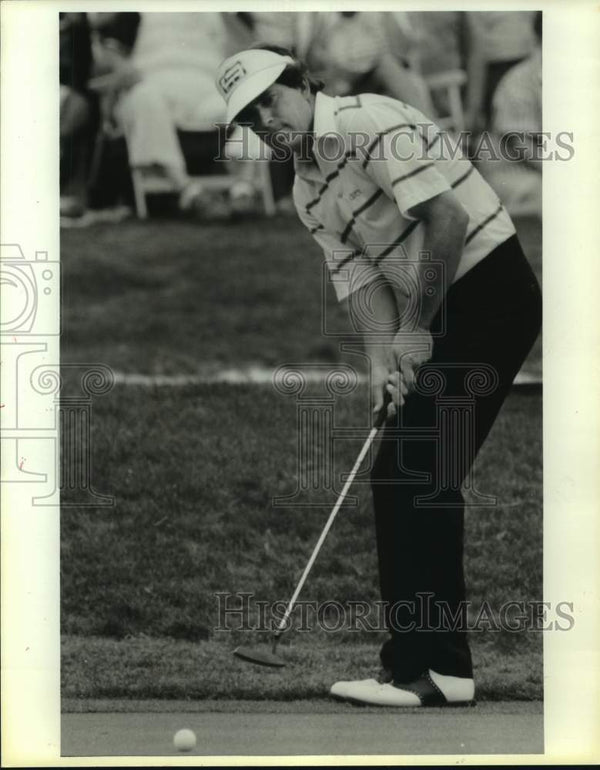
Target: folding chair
450 84
145 183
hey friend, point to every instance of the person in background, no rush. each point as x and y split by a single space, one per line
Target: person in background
516 174
162 81
275 28
77 113
354 52
517 102
497 42
439 39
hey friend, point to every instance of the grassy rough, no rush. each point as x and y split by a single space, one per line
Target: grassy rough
172 297
173 669
168 297
313 706
193 474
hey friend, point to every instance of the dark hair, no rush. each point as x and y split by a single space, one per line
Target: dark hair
294 75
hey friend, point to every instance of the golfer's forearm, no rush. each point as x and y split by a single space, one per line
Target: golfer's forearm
375 316
444 243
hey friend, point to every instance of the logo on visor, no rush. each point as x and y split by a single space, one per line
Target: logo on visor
231 76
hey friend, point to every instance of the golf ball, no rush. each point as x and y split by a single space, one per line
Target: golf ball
184 740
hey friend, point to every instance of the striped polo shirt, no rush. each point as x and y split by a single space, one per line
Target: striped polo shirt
373 159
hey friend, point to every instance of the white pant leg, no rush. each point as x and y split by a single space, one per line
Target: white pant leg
149 128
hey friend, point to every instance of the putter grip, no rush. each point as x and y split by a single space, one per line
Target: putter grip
381 417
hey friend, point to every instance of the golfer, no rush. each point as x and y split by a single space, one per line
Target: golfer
436 283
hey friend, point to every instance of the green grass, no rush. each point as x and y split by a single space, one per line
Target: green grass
194 473
141 668
173 297
168 297
231 706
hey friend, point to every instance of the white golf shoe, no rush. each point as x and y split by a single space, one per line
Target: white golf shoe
430 689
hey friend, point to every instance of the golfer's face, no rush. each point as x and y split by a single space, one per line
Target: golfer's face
282 111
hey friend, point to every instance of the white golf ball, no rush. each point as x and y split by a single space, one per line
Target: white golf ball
184 740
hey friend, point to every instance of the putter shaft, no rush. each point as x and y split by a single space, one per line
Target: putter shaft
327 527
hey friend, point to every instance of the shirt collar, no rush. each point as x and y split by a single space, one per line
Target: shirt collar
324 120
324 128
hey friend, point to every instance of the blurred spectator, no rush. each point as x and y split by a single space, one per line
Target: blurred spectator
440 38
275 28
354 52
120 28
497 41
517 102
76 111
437 47
350 51
517 107
160 80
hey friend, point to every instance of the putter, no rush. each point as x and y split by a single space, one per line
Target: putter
266 657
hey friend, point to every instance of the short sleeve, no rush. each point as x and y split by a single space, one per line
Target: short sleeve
396 155
348 268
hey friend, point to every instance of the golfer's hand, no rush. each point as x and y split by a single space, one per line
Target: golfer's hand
411 349
387 389
397 390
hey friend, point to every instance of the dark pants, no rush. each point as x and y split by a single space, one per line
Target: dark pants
489 321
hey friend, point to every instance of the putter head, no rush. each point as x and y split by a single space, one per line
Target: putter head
260 656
